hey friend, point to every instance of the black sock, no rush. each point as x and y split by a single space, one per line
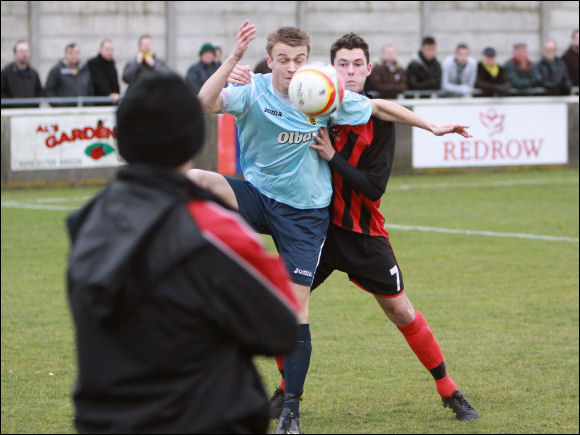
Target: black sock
296 366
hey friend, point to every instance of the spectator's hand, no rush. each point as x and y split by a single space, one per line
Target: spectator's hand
323 145
442 129
114 97
241 75
150 60
246 35
139 57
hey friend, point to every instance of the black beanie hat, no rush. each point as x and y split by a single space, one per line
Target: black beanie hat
159 121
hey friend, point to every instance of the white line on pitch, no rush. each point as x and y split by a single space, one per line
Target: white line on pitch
482 233
41 203
488 184
28 206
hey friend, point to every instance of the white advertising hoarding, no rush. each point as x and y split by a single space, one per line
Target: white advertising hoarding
63 141
503 135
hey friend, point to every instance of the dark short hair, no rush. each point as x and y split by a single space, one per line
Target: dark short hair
70 45
574 32
350 41
520 44
461 46
428 40
288 35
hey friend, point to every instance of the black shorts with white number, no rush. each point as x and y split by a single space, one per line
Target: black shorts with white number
369 261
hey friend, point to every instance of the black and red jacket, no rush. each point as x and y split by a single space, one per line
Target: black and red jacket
172 295
361 168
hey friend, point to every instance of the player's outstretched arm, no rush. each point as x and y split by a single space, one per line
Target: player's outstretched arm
389 111
209 94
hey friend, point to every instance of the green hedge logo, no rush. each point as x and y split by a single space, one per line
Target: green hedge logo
97 150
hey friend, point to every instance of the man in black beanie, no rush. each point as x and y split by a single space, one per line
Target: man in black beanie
171 294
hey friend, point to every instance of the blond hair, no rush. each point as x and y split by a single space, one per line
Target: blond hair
291 36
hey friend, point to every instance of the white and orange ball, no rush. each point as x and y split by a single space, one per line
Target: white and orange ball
316 89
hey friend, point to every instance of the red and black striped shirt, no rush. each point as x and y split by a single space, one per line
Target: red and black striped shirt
360 171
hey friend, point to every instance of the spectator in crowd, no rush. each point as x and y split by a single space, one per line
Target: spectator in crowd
104 72
171 294
424 70
388 79
551 72
69 77
262 67
19 79
200 71
459 72
146 60
571 59
491 79
218 55
520 70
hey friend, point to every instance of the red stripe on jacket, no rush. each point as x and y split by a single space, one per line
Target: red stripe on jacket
231 234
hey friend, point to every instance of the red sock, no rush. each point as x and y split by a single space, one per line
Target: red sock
280 364
445 386
423 343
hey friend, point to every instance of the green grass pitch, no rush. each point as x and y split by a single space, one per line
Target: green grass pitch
501 300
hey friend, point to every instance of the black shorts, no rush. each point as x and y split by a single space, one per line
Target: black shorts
369 262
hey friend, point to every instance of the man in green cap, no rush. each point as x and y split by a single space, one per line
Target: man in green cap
200 71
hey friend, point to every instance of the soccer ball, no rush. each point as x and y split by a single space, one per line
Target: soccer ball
316 89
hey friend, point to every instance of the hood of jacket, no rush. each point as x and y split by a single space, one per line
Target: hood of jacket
120 244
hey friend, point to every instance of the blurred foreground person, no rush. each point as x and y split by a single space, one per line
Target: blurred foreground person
171 294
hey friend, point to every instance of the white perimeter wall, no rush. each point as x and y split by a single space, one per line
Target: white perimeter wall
180 28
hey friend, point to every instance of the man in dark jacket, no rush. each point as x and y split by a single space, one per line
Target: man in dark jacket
145 61
388 79
171 293
104 72
520 70
19 79
491 79
551 72
199 72
69 77
571 59
424 70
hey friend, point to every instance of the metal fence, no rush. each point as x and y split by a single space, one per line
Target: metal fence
15 103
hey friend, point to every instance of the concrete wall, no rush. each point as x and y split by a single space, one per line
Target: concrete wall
180 28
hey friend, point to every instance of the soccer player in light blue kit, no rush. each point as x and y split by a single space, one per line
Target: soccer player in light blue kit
287 186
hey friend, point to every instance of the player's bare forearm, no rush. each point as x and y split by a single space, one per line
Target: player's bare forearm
392 112
389 111
209 94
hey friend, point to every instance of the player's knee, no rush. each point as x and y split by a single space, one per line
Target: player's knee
399 310
403 316
194 175
202 178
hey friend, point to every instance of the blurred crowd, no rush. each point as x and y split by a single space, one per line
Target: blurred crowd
97 77
458 75
462 75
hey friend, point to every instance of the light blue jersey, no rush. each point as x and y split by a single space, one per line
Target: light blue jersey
275 139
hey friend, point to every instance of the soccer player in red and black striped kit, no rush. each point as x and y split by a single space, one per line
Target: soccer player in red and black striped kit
357 242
